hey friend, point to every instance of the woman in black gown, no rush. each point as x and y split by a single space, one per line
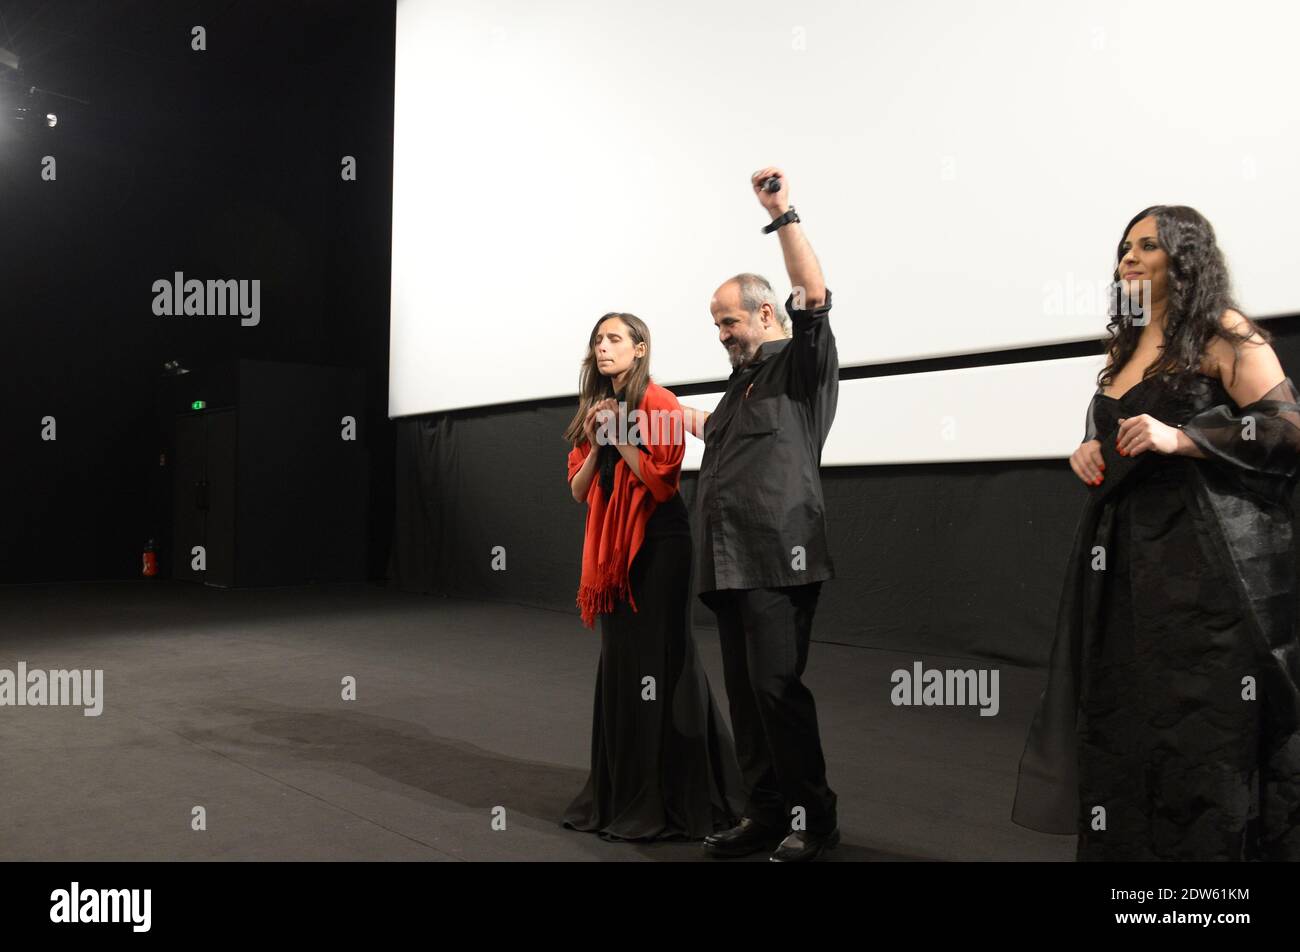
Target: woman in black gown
663 765
1169 726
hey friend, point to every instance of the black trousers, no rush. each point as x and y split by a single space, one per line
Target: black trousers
764 634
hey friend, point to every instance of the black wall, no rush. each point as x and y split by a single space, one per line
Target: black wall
964 559
219 164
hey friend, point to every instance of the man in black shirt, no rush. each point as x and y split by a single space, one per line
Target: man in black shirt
763 551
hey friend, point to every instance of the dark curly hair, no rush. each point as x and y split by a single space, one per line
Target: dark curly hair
1198 292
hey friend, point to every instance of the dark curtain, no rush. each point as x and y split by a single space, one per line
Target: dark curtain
964 559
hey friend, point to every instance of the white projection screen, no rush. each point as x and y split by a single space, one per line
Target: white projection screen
963 171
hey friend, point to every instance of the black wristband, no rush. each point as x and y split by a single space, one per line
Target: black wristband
789 216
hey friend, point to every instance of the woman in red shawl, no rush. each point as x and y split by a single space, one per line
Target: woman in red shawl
662 761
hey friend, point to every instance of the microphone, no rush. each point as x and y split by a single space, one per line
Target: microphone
771 184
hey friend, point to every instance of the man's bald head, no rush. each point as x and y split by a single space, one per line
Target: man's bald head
746 313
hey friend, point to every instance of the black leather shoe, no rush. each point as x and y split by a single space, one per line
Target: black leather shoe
804 847
742 839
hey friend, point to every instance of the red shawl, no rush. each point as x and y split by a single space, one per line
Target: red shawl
616 526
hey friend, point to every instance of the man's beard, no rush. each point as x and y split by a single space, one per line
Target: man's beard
739 356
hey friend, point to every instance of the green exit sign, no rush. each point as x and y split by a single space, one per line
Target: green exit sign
198 404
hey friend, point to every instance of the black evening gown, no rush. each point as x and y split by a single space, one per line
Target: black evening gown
1170 725
661 768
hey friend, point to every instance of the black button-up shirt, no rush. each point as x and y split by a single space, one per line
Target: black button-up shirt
761 512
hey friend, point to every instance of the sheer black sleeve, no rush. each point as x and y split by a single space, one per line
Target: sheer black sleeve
1262 437
1090 422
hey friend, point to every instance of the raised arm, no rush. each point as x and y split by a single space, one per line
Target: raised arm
814 359
800 263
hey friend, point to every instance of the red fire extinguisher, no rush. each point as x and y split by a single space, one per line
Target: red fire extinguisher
150 560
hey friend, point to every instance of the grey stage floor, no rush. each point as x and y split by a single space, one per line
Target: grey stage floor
231 700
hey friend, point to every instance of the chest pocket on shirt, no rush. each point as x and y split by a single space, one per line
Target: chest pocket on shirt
758 418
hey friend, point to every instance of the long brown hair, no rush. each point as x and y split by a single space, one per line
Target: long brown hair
593 386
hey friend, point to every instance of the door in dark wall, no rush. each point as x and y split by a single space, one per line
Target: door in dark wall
204 496
189 512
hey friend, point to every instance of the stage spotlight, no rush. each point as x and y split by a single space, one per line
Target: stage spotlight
26 104
173 368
